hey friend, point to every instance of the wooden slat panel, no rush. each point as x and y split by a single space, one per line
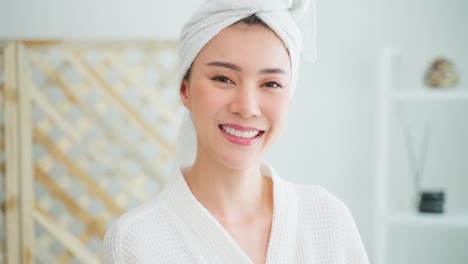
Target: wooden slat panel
65 257
113 131
25 162
145 90
96 76
2 166
77 172
109 157
78 138
12 217
67 239
54 115
94 226
37 43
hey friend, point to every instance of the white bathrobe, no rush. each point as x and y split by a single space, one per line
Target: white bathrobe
309 226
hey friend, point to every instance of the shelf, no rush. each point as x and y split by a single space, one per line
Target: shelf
393 101
429 219
432 95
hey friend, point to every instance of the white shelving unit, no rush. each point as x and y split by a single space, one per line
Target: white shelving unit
418 219
389 97
431 96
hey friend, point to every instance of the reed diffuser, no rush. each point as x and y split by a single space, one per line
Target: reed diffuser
428 201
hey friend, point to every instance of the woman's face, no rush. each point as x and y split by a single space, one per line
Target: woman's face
239 94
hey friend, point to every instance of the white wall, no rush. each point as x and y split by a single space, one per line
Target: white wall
102 19
332 123
329 140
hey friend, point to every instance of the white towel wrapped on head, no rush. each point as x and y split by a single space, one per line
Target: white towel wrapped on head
284 17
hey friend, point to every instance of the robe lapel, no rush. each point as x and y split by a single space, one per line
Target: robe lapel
206 237
211 243
281 247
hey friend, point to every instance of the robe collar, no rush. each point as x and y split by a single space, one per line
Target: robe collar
211 243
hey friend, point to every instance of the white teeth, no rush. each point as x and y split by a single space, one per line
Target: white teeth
241 134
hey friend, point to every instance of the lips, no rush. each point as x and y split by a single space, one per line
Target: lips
241 135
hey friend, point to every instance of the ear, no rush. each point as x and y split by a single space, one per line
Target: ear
184 93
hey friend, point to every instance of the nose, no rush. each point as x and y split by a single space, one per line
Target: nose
246 101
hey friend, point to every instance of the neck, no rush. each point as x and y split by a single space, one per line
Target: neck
230 195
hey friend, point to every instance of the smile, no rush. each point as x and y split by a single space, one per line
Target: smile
241 135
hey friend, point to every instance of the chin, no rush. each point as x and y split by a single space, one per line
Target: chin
241 162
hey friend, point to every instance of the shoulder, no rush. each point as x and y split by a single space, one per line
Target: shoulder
138 215
320 208
327 226
131 234
319 199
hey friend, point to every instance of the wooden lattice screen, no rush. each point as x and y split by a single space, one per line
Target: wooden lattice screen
2 163
103 121
17 181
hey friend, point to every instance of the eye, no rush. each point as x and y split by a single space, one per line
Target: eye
272 85
221 78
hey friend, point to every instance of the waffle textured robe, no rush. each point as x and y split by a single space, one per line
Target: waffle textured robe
309 226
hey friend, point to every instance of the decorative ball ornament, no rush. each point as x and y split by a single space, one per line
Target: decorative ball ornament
441 74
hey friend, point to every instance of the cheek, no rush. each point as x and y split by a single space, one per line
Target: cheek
278 110
207 101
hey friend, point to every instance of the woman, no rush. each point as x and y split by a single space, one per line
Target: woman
238 68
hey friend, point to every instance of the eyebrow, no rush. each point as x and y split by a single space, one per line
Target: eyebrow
273 70
238 69
225 65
